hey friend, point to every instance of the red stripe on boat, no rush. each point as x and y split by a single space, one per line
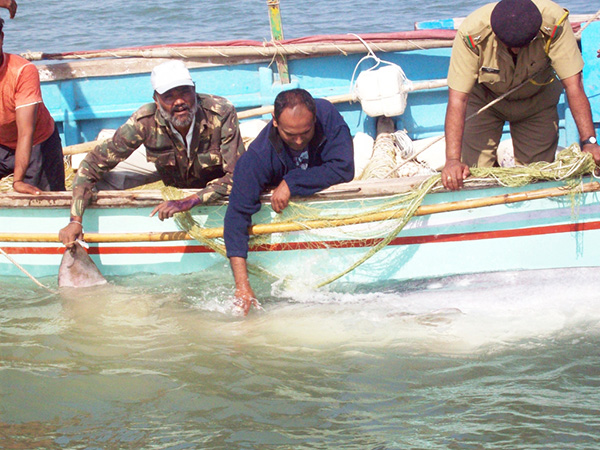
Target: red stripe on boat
351 243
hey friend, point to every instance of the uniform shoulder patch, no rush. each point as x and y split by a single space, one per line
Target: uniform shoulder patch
474 39
551 30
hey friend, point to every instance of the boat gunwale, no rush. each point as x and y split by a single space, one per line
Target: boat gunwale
355 190
150 197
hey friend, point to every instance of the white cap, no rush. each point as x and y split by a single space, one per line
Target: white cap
169 75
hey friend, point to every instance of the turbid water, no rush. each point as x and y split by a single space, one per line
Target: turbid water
500 361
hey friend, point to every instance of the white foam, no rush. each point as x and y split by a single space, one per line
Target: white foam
478 313
454 315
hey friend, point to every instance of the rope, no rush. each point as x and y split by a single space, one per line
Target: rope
394 150
378 61
185 221
594 18
423 190
569 163
383 157
26 273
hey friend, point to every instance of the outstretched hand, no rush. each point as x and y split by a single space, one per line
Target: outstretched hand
169 208
244 295
11 5
25 188
245 299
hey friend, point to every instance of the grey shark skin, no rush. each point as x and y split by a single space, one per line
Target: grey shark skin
78 270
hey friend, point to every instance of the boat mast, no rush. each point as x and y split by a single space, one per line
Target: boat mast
277 35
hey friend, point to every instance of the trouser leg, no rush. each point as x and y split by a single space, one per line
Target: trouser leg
51 170
482 135
535 138
33 174
46 169
7 162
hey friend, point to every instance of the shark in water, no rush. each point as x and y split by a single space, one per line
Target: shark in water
78 270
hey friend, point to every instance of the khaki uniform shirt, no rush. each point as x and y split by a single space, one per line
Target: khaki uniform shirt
479 57
215 148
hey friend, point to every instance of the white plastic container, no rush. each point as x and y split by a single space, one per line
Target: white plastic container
382 91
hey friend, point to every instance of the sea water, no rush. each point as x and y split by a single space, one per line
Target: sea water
502 361
69 25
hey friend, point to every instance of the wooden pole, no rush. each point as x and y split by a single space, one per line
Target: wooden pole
84 147
343 98
249 51
270 228
276 36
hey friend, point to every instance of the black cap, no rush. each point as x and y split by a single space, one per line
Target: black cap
516 22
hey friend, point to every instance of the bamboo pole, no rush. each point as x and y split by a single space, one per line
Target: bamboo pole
268 109
86 147
343 98
299 50
269 228
266 51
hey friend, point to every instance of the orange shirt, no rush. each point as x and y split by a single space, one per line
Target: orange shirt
20 86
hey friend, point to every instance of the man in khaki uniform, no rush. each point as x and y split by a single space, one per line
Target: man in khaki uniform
497 48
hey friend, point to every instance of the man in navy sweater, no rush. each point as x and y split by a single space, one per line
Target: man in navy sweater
307 147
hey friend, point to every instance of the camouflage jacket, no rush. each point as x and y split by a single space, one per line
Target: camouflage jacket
216 147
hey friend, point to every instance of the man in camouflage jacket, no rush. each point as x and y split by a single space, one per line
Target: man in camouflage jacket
193 139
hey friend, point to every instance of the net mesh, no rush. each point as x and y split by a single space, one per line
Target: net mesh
373 224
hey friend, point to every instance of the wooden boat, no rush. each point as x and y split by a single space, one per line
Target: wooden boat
487 228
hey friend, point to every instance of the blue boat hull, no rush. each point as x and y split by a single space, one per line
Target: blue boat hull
535 234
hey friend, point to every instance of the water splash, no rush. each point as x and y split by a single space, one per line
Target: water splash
466 314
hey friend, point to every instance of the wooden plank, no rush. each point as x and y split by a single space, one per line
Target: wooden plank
147 198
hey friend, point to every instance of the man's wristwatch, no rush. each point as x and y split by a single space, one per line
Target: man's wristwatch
590 140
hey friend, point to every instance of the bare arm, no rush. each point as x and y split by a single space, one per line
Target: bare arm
455 171
25 118
11 5
243 291
582 113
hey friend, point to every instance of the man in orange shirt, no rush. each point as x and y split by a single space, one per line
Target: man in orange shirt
30 146
11 5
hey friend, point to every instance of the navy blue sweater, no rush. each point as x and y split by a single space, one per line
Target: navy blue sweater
268 161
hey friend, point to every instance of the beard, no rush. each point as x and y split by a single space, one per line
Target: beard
181 121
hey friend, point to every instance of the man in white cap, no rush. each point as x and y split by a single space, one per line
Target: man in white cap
193 140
